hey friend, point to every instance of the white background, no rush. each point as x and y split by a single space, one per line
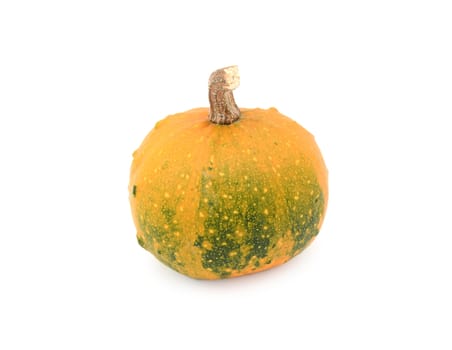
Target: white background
82 83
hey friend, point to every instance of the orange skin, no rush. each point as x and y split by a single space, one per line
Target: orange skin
186 163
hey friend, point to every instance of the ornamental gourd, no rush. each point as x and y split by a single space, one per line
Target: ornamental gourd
224 192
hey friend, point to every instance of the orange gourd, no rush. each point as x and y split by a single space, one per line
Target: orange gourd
223 192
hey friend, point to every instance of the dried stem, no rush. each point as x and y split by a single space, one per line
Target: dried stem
223 109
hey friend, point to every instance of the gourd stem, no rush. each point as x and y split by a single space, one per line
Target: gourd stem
223 109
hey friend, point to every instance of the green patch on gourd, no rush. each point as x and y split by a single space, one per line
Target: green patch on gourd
304 211
237 229
241 226
140 241
163 235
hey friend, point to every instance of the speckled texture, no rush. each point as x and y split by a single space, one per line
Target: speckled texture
215 201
